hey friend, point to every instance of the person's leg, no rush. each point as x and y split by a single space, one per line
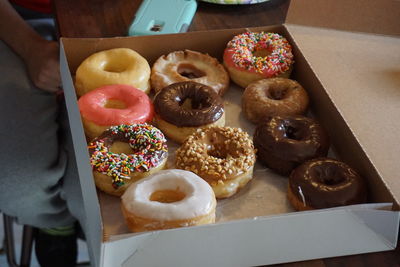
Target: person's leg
33 162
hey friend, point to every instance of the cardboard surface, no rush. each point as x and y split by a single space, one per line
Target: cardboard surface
372 16
251 225
361 74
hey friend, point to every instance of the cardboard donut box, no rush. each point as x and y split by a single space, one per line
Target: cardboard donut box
353 82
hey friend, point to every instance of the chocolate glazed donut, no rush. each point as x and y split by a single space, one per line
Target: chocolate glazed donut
206 104
285 141
325 183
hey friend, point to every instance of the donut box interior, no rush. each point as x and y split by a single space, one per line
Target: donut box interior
353 81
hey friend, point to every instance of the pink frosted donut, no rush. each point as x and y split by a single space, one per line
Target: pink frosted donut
113 105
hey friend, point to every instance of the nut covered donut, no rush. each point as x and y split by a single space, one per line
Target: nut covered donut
114 66
181 108
223 156
126 153
273 96
113 105
252 56
325 183
285 141
168 199
180 66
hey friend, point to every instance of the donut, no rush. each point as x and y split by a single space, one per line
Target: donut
113 105
168 199
325 183
181 108
187 65
126 153
273 96
285 141
252 56
114 66
223 156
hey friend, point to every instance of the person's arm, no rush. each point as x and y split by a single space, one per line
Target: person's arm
39 55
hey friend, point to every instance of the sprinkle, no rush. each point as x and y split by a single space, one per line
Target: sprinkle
149 148
278 60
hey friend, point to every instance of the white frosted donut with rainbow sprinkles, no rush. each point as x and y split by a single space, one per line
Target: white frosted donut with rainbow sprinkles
252 56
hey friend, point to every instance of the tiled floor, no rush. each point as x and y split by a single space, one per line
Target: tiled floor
82 254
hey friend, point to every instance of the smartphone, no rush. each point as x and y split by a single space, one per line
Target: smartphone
163 16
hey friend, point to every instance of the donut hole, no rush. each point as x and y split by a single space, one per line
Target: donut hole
190 71
115 104
115 66
293 133
217 151
276 93
329 175
167 196
119 147
261 53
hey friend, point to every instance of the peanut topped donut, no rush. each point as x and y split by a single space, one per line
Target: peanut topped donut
325 183
285 141
113 105
181 108
223 156
273 96
187 65
126 153
252 56
114 66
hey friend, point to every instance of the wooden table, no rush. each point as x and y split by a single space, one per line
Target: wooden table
108 18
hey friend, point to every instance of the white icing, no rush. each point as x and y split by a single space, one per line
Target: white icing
198 200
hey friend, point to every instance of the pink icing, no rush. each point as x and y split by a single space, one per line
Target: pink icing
139 108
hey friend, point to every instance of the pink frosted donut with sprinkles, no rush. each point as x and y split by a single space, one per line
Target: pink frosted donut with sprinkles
252 56
124 154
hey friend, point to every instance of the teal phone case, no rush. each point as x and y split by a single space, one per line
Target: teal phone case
162 17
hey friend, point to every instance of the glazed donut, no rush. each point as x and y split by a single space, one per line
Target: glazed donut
252 56
168 199
325 183
114 66
181 66
223 156
273 96
126 153
113 105
285 141
181 108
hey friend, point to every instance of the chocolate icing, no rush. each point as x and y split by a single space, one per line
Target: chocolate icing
290 140
207 106
325 183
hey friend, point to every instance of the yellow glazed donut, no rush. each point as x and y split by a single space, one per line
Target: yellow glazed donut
114 66
223 156
168 199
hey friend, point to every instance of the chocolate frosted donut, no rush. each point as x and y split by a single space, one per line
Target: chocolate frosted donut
285 141
126 153
183 107
324 183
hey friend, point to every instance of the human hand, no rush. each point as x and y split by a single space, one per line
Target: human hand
43 65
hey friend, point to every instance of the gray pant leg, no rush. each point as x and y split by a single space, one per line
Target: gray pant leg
32 160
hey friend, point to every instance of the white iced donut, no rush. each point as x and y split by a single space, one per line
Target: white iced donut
168 199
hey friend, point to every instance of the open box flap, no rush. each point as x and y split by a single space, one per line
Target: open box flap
382 17
362 234
361 74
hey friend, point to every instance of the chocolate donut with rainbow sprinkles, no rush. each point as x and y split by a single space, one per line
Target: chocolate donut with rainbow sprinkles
126 153
252 56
